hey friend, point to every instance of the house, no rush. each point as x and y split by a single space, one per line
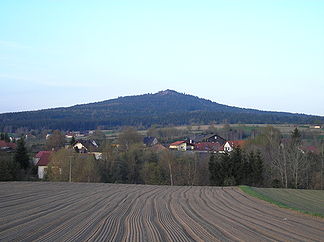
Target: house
7 145
41 160
209 147
214 139
181 146
211 138
150 141
230 145
85 146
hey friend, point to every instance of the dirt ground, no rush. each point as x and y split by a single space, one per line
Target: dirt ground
40 211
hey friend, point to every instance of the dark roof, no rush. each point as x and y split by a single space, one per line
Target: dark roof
43 158
214 138
207 138
148 140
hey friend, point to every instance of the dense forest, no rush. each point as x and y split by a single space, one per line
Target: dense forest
164 108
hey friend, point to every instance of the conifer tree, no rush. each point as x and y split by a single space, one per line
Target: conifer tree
21 155
237 160
216 175
256 169
296 137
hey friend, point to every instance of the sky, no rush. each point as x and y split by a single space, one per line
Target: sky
267 55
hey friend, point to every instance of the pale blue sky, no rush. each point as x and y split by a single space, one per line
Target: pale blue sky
267 55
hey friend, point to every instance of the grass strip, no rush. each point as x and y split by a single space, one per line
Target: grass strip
249 190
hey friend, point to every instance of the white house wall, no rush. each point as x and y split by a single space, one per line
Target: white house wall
41 171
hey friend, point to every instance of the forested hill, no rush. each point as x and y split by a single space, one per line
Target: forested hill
163 108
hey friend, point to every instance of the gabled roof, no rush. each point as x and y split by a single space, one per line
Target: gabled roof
148 140
43 158
177 143
7 145
198 138
181 142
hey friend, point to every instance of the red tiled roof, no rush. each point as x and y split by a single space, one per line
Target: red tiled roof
178 143
208 146
4 144
43 158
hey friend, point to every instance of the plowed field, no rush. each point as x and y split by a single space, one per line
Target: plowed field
111 212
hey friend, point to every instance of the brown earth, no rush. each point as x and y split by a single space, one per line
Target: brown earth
111 212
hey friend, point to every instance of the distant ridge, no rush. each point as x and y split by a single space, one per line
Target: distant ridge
167 107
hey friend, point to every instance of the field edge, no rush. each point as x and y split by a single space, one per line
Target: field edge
248 190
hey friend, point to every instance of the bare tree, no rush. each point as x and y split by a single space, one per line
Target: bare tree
167 158
127 137
55 141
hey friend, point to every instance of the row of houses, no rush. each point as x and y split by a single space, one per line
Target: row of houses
208 144
211 143
42 158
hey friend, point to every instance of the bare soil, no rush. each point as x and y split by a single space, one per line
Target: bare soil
43 211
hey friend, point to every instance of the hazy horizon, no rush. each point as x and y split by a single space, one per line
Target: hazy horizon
266 55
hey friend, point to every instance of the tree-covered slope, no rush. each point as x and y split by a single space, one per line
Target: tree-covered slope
164 108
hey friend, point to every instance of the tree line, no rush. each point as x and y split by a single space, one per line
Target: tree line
16 165
287 162
268 159
236 168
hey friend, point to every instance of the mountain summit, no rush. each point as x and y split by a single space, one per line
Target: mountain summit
166 107
167 92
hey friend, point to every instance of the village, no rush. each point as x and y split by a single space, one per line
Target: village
80 144
95 144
